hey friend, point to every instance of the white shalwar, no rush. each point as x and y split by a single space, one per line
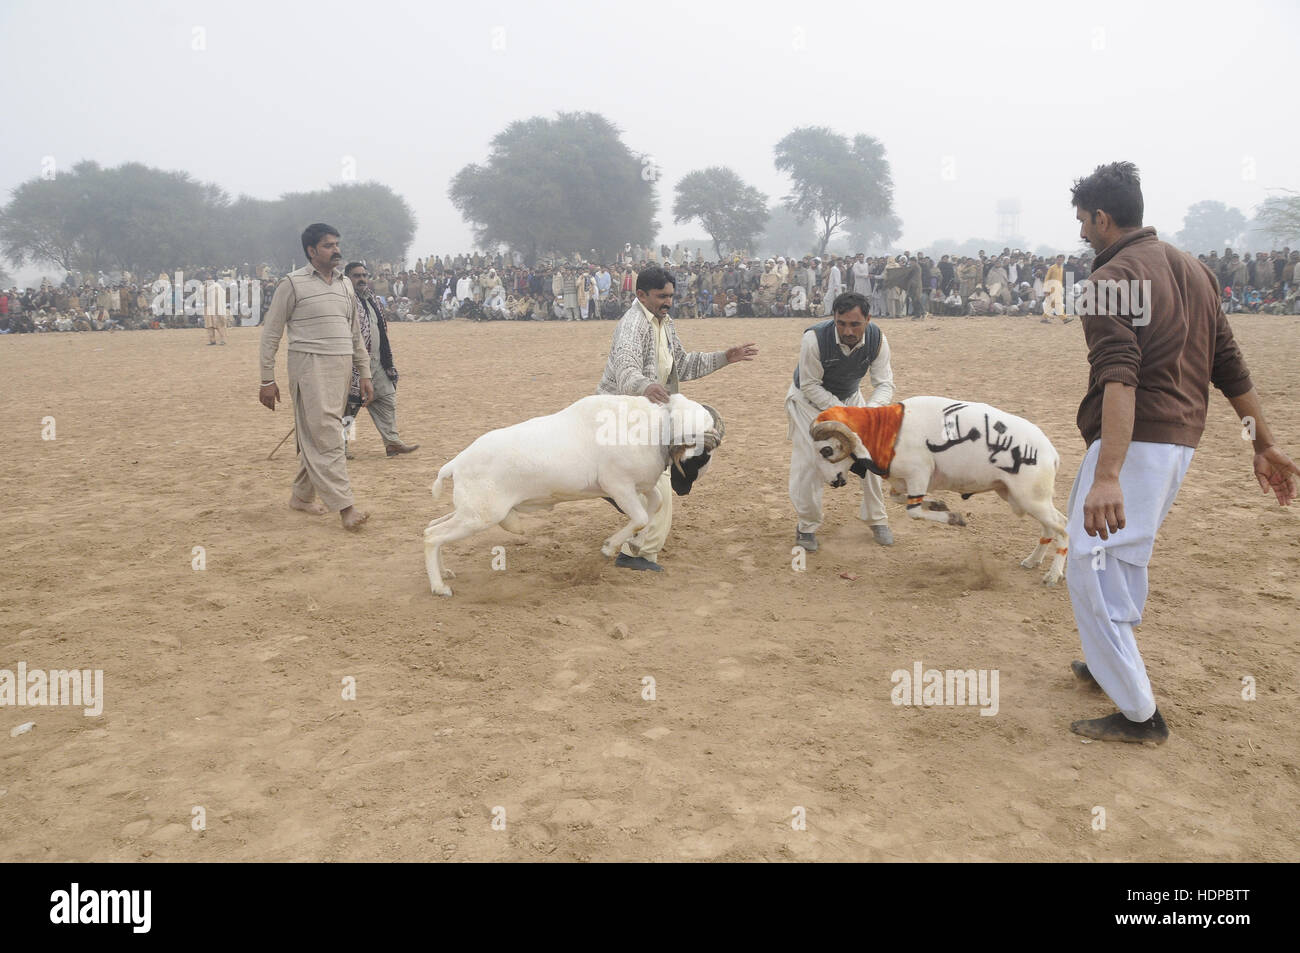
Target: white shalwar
806 481
1108 599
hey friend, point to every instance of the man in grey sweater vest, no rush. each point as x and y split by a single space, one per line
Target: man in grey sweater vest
834 356
318 308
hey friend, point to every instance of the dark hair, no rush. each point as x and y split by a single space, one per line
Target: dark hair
312 234
1114 189
353 264
846 302
654 278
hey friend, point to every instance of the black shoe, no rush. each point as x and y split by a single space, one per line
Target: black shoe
1116 727
1083 674
624 561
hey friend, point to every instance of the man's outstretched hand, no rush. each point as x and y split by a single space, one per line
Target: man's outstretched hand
742 352
1276 471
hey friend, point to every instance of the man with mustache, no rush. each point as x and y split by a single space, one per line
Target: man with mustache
319 307
383 373
646 359
834 357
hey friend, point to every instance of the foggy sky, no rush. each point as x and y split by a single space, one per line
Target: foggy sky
973 102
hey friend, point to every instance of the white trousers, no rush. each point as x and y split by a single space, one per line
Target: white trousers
1108 580
806 481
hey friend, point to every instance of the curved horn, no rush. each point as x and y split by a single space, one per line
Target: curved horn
838 434
717 421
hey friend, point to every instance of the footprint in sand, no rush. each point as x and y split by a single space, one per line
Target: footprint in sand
729 670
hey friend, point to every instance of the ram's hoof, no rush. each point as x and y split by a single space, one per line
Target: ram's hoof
1029 562
442 591
937 506
955 519
1051 579
607 550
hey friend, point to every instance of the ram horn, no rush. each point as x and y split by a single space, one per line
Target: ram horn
713 437
675 454
838 434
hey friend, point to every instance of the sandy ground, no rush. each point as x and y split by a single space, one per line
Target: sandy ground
512 700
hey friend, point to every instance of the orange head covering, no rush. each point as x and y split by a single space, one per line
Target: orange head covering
876 427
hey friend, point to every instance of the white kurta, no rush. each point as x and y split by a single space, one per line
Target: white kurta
803 404
656 533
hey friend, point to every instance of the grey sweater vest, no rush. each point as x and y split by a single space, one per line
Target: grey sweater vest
842 374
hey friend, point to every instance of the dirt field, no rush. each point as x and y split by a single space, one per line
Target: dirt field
772 687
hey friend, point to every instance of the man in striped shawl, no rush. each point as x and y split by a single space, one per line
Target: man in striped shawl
646 359
383 374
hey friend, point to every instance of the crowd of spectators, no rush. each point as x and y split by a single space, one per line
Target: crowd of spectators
500 287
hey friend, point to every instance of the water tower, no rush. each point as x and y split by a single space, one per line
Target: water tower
1008 219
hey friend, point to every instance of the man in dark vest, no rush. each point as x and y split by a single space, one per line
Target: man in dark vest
834 357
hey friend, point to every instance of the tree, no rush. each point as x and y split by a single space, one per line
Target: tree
874 234
376 224
47 220
786 235
1210 225
145 220
732 212
835 180
1278 217
565 184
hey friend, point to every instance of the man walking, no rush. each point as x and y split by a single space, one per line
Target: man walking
214 311
1152 364
383 373
834 284
834 356
647 359
318 306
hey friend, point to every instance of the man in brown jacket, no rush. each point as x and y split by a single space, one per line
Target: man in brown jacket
1157 338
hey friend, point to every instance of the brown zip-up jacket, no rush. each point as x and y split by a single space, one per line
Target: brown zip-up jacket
1172 360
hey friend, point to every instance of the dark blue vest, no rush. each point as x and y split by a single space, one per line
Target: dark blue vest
841 375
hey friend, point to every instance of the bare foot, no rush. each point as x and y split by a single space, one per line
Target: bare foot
315 509
353 517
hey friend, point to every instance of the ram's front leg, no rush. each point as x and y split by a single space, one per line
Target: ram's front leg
652 504
919 508
638 516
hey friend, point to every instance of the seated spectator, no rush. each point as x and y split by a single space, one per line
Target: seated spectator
799 301
703 302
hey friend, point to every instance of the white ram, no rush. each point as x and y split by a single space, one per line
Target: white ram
936 443
606 445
